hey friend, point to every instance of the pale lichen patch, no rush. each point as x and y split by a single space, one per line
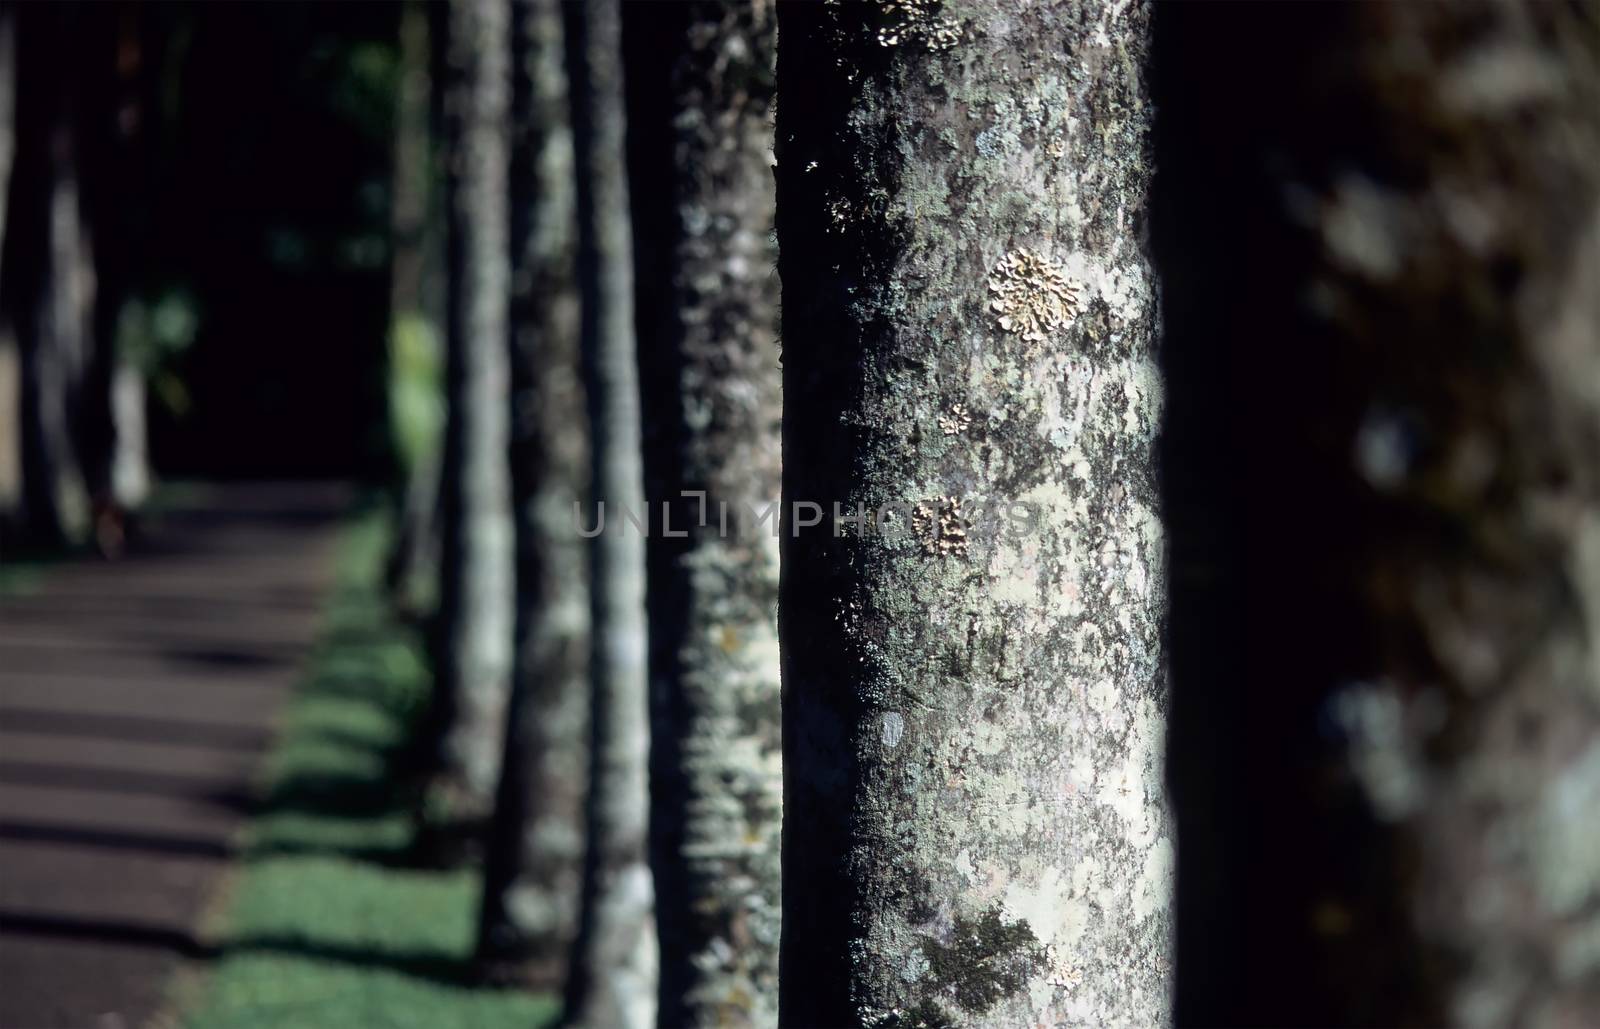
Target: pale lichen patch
956 420
894 728
1032 295
919 22
942 527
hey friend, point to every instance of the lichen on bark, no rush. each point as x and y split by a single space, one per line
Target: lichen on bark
973 719
702 103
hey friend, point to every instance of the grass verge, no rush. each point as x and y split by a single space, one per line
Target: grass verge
325 925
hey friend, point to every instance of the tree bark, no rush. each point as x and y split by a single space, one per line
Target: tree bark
1388 789
476 539
976 829
701 141
612 980
534 868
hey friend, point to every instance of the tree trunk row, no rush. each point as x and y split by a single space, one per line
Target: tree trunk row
1359 462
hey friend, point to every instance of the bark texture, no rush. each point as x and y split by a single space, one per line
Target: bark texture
975 824
476 587
713 411
1388 790
533 875
612 980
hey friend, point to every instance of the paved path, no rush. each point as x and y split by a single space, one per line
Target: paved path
136 699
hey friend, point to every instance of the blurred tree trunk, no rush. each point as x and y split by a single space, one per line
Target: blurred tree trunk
116 82
534 868
127 481
1388 778
413 328
51 273
975 823
8 107
10 393
612 978
476 549
701 141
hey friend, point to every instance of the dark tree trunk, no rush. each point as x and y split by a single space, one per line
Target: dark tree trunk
10 398
116 182
533 873
474 673
974 703
701 82
8 107
612 979
50 277
1381 244
414 343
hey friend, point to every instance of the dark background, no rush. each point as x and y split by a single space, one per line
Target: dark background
270 205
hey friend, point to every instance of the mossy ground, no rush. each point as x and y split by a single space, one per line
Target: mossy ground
325 924
20 577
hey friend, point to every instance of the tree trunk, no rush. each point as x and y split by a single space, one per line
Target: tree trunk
52 278
129 480
116 184
413 328
713 409
1386 249
534 868
413 163
476 552
10 386
8 108
612 980
974 697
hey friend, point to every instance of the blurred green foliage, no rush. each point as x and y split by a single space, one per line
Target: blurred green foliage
152 333
416 389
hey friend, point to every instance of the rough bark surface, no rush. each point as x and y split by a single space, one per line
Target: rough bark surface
1388 790
713 411
975 824
612 980
476 567
533 873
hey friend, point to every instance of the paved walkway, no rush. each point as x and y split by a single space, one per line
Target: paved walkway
136 699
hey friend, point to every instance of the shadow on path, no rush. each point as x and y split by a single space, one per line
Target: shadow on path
137 701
